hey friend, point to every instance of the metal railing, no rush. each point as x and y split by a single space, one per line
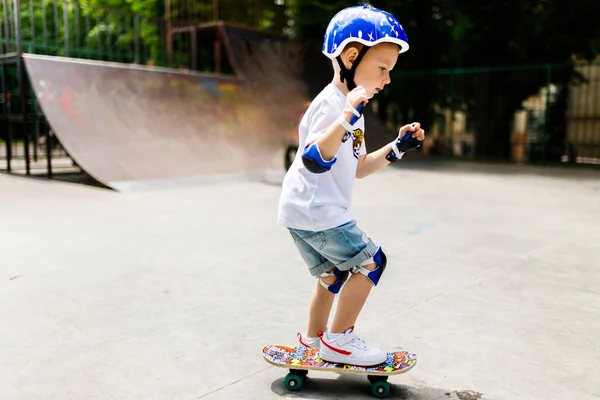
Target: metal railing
529 113
77 29
71 29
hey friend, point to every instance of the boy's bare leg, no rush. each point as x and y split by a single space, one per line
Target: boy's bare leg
320 307
351 301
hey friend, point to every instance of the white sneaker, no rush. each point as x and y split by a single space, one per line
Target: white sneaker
347 348
309 342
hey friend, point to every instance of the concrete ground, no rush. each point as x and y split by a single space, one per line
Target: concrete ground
493 280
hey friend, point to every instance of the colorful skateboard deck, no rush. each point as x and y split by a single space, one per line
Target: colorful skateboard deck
300 360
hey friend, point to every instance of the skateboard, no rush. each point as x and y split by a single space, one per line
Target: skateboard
299 360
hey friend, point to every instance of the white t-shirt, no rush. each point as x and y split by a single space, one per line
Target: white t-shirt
316 202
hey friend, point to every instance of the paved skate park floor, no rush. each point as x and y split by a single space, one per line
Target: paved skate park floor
493 280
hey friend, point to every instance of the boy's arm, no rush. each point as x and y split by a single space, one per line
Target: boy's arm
373 162
329 142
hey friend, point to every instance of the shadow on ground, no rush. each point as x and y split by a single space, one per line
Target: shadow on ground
80 178
347 386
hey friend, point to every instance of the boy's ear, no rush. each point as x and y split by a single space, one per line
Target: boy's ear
350 56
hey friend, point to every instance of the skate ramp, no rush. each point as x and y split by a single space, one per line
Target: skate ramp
130 126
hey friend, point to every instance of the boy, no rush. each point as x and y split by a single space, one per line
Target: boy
317 189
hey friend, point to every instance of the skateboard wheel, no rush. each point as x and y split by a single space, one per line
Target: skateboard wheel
380 389
293 382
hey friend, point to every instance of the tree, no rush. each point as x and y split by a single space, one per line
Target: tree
95 29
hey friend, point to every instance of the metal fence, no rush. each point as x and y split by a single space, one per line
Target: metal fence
264 15
78 29
528 113
71 29
534 113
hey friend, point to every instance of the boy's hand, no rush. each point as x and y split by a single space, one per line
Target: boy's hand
415 127
355 98
408 139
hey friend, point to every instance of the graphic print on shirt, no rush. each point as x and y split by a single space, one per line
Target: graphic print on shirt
357 140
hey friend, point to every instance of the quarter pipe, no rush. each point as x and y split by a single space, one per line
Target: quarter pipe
129 125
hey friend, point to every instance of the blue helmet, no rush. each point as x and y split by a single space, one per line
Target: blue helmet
364 24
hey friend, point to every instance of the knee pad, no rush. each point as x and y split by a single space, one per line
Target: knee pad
313 161
380 259
335 287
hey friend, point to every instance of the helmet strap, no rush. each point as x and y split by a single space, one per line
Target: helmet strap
348 74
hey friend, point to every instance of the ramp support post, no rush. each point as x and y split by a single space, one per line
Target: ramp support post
169 34
7 119
49 146
22 84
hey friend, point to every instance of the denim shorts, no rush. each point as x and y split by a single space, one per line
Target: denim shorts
344 247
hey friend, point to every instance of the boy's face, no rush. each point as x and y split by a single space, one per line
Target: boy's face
373 72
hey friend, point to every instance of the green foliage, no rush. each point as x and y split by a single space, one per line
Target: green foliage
106 30
118 29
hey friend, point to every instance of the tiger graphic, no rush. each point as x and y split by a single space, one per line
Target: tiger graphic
357 141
